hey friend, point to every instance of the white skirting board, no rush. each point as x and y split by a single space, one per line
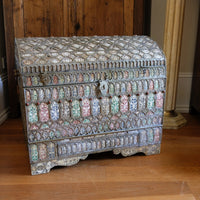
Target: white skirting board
183 92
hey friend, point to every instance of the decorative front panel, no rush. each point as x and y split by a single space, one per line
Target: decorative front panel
90 94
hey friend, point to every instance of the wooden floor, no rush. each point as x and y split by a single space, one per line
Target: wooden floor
173 175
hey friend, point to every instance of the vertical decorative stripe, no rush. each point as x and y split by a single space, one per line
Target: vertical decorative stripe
32 113
44 112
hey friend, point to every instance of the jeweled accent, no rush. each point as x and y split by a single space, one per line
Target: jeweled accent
134 87
41 94
115 105
156 85
34 96
95 107
44 112
105 106
48 93
145 85
65 110
142 102
28 81
81 91
85 108
159 100
117 88
80 78
61 93
87 91
151 85
76 109
44 126
111 89
124 104
54 111
42 152
61 79
28 96
32 113
67 92
51 150
75 92
150 101
123 87
129 87
156 135
55 94
35 81
140 86
34 153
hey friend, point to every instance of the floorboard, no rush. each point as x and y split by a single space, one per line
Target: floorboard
173 174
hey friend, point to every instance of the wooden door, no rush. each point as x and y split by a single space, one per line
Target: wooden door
42 18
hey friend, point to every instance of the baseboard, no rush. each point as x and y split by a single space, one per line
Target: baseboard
182 108
4 115
183 92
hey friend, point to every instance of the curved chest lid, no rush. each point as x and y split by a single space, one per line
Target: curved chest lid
51 54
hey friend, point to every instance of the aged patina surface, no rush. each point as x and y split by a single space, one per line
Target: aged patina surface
82 95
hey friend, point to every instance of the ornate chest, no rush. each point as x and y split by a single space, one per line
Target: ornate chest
83 95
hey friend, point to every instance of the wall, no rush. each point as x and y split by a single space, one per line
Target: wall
187 49
3 74
187 55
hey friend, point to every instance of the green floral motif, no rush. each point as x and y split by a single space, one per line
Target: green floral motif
44 126
134 87
76 109
32 113
115 105
34 95
51 134
35 80
156 85
61 93
61 79
86 121
150 135
66 123
131 75
86 78
111 89
150 102
34 153
100 128
87 91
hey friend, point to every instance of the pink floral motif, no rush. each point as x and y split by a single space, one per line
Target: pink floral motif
76 122
44 112
159 100
156 135
126 74
112 126
81 91
28 81
55 79
28 96
124 104
129 87
151 85
42 152
86 108
80 78
33 127
55 94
